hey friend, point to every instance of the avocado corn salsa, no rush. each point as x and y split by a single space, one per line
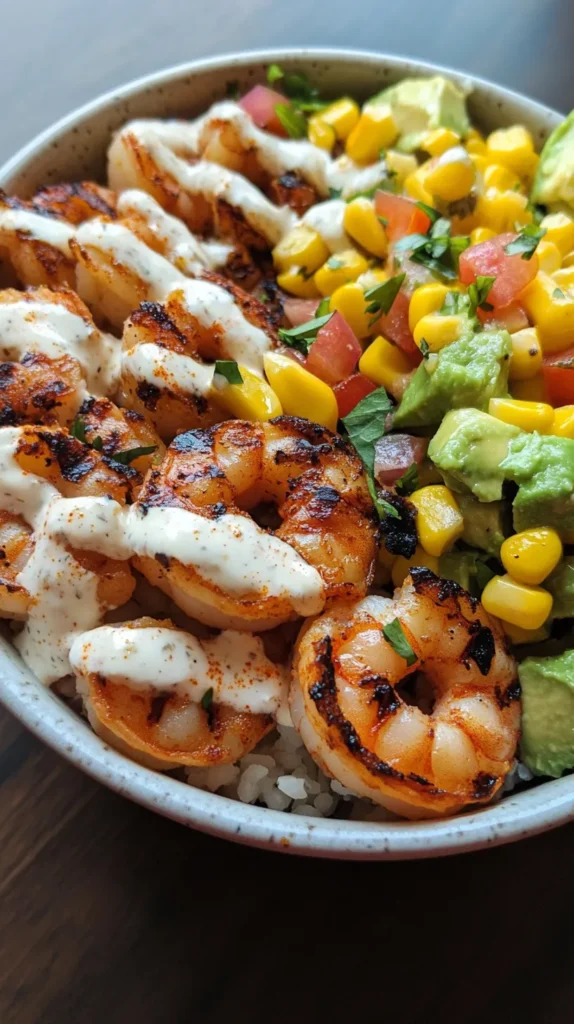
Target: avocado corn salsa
287 448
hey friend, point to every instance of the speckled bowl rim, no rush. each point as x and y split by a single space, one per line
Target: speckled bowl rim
516 816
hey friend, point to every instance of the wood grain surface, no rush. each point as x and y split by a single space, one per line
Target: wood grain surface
110 914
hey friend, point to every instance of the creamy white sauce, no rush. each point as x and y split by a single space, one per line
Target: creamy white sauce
50 328
180 246
21 493
215 309
90 524
167 369
327 220
50 230
233 664
156 275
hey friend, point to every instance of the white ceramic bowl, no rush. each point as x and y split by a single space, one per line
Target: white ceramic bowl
75 148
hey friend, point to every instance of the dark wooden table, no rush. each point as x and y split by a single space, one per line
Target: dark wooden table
110 914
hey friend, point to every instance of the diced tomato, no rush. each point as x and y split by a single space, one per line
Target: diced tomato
394 453
260 103
558 370
489 259
402 215
395 326
335 352
299 311
512 317
352 391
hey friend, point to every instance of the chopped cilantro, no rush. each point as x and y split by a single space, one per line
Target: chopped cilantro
430 212
323 307
207 699
78 430
409 481
381 296
133 453
97 443
526 242
478 293
293 121
274 73
384 508
394 633
335 193
303 336
425 348
229 369
558 294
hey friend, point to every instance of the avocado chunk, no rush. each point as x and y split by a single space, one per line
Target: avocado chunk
560 583
548 713
465 374
483 524
554 180
421 104
468 448
543 467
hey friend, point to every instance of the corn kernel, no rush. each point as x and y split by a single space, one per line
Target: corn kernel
533 390
301 247
401 164
480 163
530 556
514 148
451 176
517 603
479 235
525 415
439 519
402 566
340 269
349 300
568 260
372 277
342 115
518 635
551 308
500 177
375 130
438 141
502 211
384 363
252 400
564 278
296 282
320 133
475 142
563 424
429 298
362 224
559 229
415 185
438 330
549 256
526 356
300 392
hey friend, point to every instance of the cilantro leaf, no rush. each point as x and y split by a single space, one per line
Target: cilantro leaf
394 633
78 430
383 507
335 193
365 424
430 211
323 307
303 336
454 303
478 293
437 251
97 443
409 481
525 244
232 90
558 294
425 348
229 369
207 699
274 73
381 296
293 121
133 453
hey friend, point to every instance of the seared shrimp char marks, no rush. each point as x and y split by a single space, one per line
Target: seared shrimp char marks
169 698
196 540
448 744
40 390
15 549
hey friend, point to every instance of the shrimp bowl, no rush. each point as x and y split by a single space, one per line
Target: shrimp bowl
287 447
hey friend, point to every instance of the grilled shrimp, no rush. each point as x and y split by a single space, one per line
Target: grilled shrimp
195 539
40 390
166 698
169 348
423 739
15 550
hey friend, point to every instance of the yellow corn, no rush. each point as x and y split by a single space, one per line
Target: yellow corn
530 556
551 308
563 424
342 115
415 185
475 143
296 282
518 635
513 147
500 177
480 163
559 229
549 256
525 415
517 603
300 392
362 224
479 235
526 356
349 300
402 566
384 363
438 141
252 400
301 247
452 175
568 260
375 130
429 298
564 278
533 390
438 330
320 133
372 277
502 211
340 269
401 164
439 519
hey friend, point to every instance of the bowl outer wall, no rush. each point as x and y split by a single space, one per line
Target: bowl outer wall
74 148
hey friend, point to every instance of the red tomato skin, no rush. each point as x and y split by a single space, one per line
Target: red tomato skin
394 325
403 216
395 453
260 103
512 317
489 259
558 372
352 391
299 311
335 353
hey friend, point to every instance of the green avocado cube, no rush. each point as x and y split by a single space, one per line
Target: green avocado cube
468 449
548 713
554 179
421 104
560 583
543 467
